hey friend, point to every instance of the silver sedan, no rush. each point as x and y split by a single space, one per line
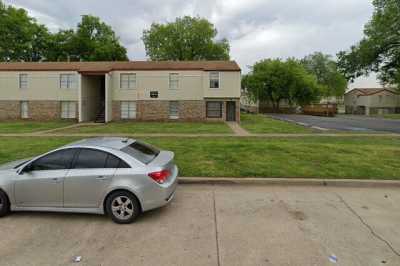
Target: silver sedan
115 176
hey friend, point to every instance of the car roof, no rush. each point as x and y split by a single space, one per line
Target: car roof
105 142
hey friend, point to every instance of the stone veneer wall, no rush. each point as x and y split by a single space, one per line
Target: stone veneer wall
188 110
37 110
10 110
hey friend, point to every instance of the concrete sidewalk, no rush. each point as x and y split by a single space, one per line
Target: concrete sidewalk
220 225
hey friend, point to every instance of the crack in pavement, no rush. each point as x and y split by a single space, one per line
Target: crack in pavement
397 253
216 228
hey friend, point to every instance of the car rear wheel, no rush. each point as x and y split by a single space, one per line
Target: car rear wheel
123 207
4 204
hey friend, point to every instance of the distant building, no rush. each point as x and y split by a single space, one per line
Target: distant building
372 101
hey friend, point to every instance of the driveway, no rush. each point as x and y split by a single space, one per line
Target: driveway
220 225
344 122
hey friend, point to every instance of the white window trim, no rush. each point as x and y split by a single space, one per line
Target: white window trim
219 80
129 116
177 80
22 111
70 112
174 117
134 83
20 83
70 81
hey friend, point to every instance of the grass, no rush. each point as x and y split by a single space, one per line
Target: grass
389 116
261 124
154 127
313 157
30 126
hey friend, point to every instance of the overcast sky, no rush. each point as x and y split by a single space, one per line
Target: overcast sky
256 29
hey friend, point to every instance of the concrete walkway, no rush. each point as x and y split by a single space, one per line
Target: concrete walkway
237 129
220 225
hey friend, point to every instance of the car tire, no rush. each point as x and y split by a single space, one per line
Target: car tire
4 204
123 207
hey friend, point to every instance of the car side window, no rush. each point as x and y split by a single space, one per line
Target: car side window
89 158
57 160
115 162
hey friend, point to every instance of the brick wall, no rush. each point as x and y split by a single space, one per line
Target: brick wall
10 110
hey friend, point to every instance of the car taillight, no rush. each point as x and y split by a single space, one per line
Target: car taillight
160 176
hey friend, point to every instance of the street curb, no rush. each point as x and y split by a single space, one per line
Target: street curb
291 182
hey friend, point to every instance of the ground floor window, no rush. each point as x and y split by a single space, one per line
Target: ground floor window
128 110
173 110
68 109
24 110
214 109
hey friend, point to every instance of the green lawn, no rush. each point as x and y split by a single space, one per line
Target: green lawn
261 124
326 157
30 126
389 116
154 127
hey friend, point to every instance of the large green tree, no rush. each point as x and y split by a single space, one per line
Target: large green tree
325 69
277 80
186 38
379 50
21 37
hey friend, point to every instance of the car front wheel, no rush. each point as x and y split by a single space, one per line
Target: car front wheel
4 204
123 207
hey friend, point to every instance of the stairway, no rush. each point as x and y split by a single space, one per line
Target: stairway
100 117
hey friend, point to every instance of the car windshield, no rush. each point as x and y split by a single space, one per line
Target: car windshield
141 151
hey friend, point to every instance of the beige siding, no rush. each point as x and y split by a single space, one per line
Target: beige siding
384 99
42 85
229 85
190 86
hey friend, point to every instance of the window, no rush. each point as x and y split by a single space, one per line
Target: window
114 162
89 158
57 160
66 81
24 110
128 110
214 109
214 80
23 81
127 81
68 110
173 110
380 98
173 81
142 152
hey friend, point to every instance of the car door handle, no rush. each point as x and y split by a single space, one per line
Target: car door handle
101 177
56 180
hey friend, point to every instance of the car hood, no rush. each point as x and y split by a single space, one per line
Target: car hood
11 165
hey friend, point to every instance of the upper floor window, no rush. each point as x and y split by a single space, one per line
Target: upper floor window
127 81
214 80
174 81
23 81
66 81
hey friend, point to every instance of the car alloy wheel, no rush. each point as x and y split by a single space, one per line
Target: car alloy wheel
122 208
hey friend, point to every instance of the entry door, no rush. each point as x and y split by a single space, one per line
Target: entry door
230 111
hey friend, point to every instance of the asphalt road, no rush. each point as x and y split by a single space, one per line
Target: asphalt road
220 225
344 122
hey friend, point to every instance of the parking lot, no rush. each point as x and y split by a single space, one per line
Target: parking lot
344 122
220 225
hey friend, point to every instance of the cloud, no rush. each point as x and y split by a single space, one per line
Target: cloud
256 29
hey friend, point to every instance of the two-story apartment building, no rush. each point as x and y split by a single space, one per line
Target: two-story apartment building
110 91
372 101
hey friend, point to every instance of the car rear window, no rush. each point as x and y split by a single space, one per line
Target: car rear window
141 151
